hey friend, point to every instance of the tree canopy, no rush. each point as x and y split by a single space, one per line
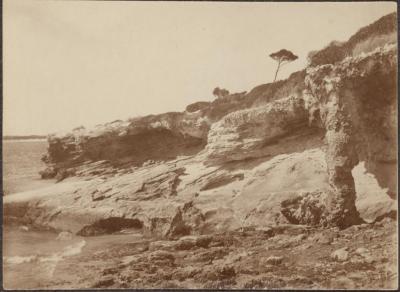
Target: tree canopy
282 57
218 92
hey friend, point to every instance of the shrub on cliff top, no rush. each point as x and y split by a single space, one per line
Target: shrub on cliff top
218 92
336 51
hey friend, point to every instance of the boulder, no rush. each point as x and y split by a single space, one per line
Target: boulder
340 255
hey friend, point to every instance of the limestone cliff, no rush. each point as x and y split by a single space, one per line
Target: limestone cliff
356 101
298 151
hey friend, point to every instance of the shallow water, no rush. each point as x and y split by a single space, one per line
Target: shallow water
31 257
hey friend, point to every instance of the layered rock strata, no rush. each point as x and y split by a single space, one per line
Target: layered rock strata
284 153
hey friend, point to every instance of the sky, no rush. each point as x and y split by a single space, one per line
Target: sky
73 63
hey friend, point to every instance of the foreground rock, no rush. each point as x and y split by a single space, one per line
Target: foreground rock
287 257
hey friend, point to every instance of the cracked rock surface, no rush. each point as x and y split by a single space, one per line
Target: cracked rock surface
293 184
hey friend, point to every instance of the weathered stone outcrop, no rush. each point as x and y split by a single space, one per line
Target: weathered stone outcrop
161 137
291 152
130 143
355 100
260 131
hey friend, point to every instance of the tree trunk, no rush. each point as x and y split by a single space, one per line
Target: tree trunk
277 69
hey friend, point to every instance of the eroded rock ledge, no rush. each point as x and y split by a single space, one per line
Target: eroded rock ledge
284 153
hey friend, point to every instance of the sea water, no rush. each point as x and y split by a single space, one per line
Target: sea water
34 259
21 165
31 256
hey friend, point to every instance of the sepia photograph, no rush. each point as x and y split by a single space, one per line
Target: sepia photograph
199 145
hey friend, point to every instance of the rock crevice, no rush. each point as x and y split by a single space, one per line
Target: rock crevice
286 152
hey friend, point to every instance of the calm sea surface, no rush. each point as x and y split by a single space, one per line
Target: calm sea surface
31 258
21 164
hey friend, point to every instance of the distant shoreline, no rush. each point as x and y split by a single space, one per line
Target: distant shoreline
30 137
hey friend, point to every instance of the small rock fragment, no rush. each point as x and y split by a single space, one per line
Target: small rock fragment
300 237
64 235
106 282
24 228
274 260
340 255
361 250
324 238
